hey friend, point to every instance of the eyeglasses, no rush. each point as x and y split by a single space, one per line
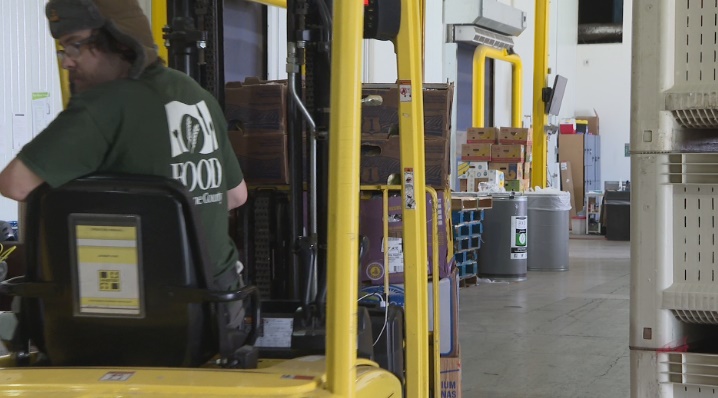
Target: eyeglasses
73 50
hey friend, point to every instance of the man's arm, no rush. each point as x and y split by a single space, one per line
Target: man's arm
17 181
237 196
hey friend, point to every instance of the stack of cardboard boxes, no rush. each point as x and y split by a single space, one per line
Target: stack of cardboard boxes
256 111
490 150
381 158
380 134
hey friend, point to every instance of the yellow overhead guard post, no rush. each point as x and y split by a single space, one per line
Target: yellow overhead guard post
159 21
343 217
479 92
64 83
411 137
539 119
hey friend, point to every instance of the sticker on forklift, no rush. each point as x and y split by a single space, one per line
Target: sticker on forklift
117 376
108 269
404 90
519 237
395 253
298 377
409 198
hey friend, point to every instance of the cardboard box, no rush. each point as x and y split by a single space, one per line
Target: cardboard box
371 225
256 106
473 169
512 171
527 169
512 136
450 376
517 185
508 153
381 157
476 152
482 135
593 125
469 185
567 186
383 120
448 309
263 157
494 178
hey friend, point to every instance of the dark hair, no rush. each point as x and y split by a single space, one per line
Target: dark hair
106 43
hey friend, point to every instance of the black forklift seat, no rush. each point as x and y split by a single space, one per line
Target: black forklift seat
117 275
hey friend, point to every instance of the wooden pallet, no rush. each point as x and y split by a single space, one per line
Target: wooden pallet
469 280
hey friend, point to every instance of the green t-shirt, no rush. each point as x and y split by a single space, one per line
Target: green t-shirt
161 124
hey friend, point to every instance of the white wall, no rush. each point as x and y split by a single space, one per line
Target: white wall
604 84
27 65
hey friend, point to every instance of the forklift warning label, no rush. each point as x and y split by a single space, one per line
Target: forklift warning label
409 198
117 376
405 90
519 237
107 270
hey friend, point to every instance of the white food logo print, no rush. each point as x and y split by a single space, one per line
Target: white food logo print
192 132
191 127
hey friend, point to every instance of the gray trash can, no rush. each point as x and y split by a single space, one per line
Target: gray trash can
504 249
548 229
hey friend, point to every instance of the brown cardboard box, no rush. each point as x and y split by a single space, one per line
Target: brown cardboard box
512 171
482 135
381 158
263 157
592 120
469 185
571 150
527 169
517 185
256 106
512 136
507 153
450 376
383 120
567 186
476 152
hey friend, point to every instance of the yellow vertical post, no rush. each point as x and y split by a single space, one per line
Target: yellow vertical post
64 85
539 119
343 211
479 78
411 133
159 21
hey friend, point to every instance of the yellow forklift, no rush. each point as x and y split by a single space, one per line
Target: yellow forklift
170 319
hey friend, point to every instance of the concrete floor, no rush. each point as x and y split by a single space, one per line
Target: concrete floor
558 334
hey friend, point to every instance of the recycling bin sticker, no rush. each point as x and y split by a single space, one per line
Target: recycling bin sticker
519 237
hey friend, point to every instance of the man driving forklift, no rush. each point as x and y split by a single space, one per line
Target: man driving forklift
129 114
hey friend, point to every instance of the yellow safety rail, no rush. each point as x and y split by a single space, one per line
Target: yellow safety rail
479 91
411 128
274 3
343 209
436 335
539 119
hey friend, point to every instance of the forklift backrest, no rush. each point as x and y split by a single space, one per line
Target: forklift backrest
117 275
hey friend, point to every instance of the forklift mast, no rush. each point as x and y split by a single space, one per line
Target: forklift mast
195 42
